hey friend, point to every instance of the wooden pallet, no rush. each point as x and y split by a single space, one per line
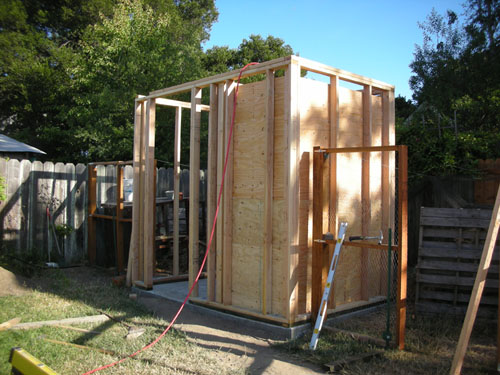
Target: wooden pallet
450 246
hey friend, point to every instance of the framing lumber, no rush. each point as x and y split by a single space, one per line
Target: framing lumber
227 257
292 132
221 92
334 119
477 291
281 62
403 245
342 150
212 190
365 187
84 319
178 103
315 67
318 248
118 220
149 196
267 256
91 212
177 178
194 188
133 256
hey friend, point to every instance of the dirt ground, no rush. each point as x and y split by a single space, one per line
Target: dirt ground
231 342
12 285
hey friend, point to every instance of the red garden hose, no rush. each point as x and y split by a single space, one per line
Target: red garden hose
208 244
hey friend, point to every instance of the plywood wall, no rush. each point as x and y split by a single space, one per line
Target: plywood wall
248 193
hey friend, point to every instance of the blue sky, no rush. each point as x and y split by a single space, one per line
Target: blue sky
372 38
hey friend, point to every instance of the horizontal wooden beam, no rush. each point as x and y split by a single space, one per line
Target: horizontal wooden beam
130 162
343 75
178 103
205 82
359 149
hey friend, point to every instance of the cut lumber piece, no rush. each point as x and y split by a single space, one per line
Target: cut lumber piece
9 324
83 319
477 290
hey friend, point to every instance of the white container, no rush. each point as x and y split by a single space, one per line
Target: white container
128 189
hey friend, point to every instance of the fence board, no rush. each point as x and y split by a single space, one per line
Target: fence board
32 187
451 242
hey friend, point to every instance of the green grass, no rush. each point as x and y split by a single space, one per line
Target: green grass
72 293
430 345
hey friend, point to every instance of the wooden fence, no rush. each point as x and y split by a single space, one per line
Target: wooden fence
451 243
35 187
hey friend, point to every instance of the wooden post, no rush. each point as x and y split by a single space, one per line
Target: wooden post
118 218
194 188
149 193
317 248
402 245
133 261
365 188
267 256
477 290
92 196
221 147
177 171
292 139
227 259
212 190
385 177
332 217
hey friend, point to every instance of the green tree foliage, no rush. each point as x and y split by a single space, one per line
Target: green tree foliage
255 49
456 80
70 70
137 50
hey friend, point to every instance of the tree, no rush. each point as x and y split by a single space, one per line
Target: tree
455 73
255 49
71 69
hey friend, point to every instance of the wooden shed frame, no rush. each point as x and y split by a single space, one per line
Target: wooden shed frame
222 88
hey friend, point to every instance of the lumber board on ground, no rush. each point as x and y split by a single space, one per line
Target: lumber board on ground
84 319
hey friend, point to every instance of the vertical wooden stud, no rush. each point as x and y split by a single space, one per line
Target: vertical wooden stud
92 197
334 117
133 261
268 198
221 147
386 183
317 247
477 290
194 187
118 218
365 187
212 190
228 202
402 245
177 178
149 193
292 139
